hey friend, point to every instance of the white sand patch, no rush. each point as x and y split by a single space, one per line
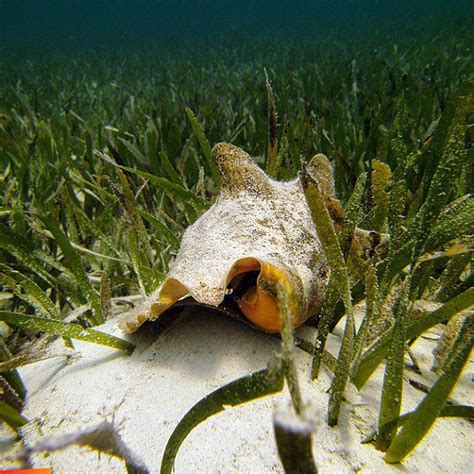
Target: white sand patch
150 391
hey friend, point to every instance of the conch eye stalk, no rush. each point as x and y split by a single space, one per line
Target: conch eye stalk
258 233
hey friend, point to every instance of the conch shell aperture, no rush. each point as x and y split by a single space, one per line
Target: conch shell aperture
258 232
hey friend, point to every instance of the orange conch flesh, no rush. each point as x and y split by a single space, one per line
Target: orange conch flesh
261 309
259 306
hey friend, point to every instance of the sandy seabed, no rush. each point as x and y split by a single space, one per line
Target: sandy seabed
146 395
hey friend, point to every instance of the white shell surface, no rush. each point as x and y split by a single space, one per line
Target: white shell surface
254 217
275 229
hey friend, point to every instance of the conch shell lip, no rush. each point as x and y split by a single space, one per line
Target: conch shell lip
257 305
173 289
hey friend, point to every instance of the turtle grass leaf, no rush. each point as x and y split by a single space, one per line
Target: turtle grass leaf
400 156
8 394
426 413
69 330
447 141
383 145
100 255
142 270
451 156
32 292
332 251
448 411
11 417
141 251
460 247
293 434
272 154
198 130
398 195
184 196
72 226
288 346
105 295
446 283
134 220
170 170
372 310
444 344
392 389
397 260
376 353
11 376
99 193
6 295
342 372
29 358
135 152
457 220
4 211
325 320
162 228
282 156
352 214
329 240
73 262
327 358
89 225
452 307
245 389
23 250
381 180
455 223
151 140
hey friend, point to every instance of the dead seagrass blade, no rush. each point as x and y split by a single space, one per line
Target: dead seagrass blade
257 233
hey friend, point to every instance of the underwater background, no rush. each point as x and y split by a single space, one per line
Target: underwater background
108 114
33 27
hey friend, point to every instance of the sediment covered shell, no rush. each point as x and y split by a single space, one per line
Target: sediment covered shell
259 231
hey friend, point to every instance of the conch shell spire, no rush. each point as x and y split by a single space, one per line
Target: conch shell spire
239 173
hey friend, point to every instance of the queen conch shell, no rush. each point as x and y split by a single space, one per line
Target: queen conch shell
258 230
